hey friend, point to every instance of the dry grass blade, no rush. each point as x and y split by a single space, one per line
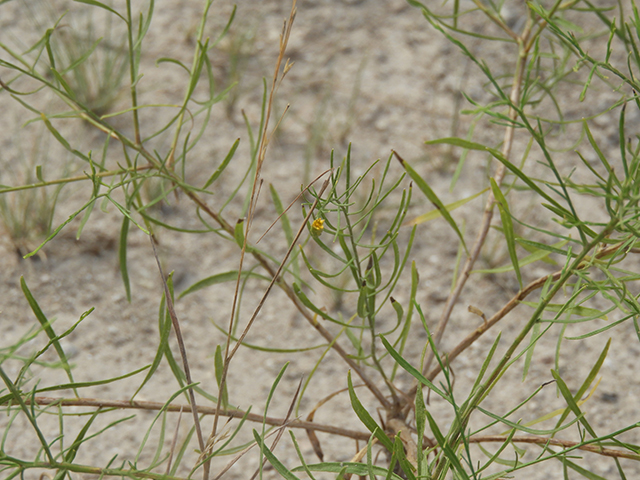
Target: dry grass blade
262 150
174 442
183 352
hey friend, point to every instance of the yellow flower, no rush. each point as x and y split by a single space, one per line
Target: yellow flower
317 227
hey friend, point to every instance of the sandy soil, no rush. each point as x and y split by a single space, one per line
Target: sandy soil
372 73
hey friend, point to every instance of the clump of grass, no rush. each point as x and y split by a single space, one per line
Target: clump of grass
27 214
89 57
94 64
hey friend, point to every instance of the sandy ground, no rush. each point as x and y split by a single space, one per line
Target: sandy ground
372 73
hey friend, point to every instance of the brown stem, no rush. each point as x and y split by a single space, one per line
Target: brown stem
200 410
607 452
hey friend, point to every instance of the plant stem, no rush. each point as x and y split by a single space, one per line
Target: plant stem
452 300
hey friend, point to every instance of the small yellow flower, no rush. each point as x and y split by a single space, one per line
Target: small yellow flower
317 227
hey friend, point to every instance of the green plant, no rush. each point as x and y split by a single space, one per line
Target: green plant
27 213
88 62
566 204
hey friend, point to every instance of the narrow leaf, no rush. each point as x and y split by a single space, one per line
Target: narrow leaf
122 256
507 228
223 165
46 326
230 276
366 418
277 464
95 3
431 196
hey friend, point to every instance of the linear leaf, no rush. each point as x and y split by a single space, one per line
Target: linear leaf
122 256
359 469
577 310
446 448
498 156
164 329
409 368
277 464
507 227
571 402
46 326
230 276
590 377
366 418
95 3
431 196
223 165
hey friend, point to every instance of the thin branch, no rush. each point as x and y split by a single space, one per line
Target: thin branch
78 178
200 410
510 305
301 424
277 272
607 452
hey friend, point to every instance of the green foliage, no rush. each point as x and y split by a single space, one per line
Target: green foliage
350 239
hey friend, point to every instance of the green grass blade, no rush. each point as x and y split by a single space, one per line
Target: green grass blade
449 453
73 449
498 156
589 379
359 469
95 3
421 421
409 368
15 394
433 214
219 367
529 355
218 278
164 329
301 456
401 457
571 402
46 326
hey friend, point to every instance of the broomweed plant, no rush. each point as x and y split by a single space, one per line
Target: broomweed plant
355 238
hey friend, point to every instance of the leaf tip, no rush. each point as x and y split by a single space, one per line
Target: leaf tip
400 159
